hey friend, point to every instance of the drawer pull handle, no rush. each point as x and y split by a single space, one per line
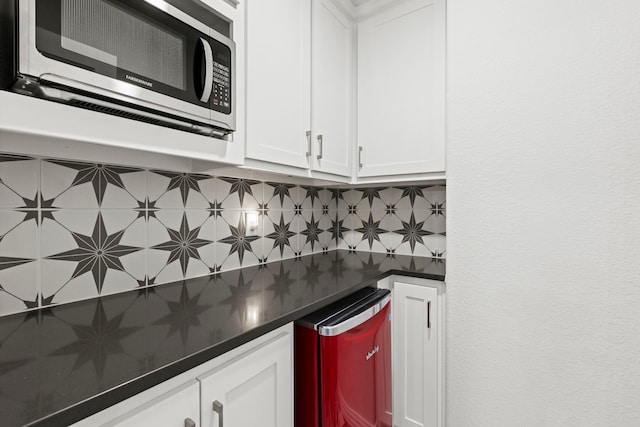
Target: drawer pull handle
188 422
308 134
217 408
428 314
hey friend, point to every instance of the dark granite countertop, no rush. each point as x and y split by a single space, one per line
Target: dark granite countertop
61 364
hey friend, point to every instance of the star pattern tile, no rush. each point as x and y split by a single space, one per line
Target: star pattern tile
281 235
96 253
184 182
370 194
412 232
9 262
281 190
312 231
37 209
98 174
13 157
241 186
338 194
312 193
338 229
146 209
263 209
215 209
370 230
239 240
183 244
412 192
437 209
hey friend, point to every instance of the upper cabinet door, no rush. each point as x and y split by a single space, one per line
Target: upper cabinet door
332 90
278 64
401 88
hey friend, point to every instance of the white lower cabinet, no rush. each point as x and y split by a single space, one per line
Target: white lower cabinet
178 407
251 385
251 390
417 353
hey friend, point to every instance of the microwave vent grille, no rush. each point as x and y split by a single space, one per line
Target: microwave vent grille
113 111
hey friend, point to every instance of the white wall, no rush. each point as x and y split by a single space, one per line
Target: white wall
543 195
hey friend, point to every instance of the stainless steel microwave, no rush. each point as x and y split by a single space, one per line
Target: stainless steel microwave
149 60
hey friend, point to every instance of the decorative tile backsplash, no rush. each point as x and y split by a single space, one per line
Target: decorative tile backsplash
397 220
74 230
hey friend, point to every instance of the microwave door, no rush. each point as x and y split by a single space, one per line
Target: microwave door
130 51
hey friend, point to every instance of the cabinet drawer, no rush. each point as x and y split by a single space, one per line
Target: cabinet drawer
177 407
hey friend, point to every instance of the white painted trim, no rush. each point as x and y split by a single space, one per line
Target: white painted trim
400 179
373 7
264 175
369 8
347 8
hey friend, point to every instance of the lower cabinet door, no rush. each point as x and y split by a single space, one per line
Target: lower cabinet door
254 389
416 330
177 408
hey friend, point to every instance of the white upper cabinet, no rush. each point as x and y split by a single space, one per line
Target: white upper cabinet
401 89
292 120
332 89
278 60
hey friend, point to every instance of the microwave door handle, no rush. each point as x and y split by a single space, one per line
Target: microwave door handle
208 77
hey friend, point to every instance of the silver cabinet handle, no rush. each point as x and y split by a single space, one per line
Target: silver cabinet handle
217 408
428 314
319 137
188 422
308 133
360 157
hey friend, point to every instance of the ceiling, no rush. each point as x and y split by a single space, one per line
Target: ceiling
359 2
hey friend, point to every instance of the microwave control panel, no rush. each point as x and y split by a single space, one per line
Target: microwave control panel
221 93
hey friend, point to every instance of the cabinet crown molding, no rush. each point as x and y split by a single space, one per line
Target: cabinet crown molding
357 10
